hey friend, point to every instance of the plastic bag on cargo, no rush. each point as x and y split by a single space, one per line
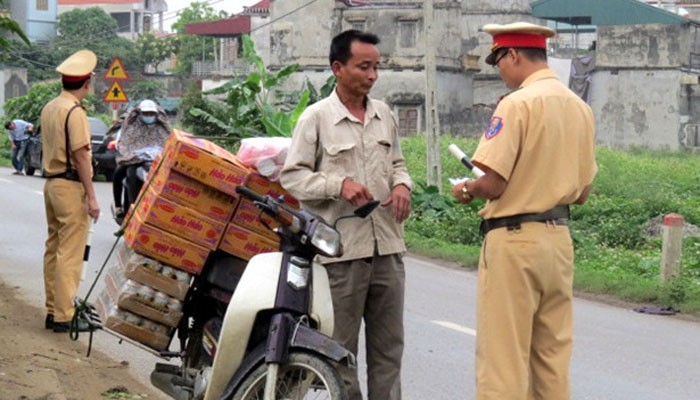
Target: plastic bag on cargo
266 154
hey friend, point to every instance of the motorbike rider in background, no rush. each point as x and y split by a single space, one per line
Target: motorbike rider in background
144 128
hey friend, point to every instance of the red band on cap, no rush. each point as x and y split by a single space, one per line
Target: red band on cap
519 40
68 78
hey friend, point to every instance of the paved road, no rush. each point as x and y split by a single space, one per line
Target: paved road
618 354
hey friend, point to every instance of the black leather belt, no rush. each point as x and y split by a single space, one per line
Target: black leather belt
70 175
558 215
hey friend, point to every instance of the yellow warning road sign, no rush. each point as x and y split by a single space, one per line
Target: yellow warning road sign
116 70
116 93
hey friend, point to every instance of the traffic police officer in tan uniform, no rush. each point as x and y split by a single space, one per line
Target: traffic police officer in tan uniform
69 195
538 156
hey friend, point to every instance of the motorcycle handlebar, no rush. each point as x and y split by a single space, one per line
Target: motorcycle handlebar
280 212
247 192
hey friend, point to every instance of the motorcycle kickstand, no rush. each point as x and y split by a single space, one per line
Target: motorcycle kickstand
271 381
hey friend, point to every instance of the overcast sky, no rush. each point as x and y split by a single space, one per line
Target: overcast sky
230 6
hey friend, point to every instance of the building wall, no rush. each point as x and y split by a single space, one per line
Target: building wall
637 107
38 25
41 24
302 39
638 92
261 36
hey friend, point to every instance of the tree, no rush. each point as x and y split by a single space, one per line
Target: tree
28 107
193 48
37 59
92 28
146 90
153 50
10 26
250 107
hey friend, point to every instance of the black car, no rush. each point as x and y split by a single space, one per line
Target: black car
98 134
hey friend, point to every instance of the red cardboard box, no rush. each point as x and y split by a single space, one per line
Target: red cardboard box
211 202
164 247
180 220
244 243
203 161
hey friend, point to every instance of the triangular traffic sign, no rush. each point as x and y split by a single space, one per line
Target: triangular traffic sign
116 93
116 70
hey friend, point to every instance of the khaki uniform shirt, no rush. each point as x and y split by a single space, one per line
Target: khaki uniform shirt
329 144
53 137
541 140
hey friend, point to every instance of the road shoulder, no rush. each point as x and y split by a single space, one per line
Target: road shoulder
36 363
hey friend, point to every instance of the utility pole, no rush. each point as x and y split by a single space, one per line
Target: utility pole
432 123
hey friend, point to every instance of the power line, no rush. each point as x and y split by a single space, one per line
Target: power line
284 15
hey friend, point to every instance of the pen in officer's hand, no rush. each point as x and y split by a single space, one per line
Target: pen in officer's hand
465 160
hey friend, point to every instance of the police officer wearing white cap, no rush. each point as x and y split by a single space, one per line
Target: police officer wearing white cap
69 195
538 156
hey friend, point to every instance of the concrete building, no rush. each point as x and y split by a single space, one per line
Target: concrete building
305 38
644 89
133 16
36 18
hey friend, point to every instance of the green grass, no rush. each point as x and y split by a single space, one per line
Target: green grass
614 253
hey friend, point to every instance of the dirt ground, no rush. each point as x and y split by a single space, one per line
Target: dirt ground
38 364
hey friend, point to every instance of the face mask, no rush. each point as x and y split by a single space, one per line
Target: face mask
148 120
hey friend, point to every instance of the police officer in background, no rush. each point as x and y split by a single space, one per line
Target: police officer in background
538 157
69 195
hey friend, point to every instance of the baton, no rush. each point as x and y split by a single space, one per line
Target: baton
86 254
465 160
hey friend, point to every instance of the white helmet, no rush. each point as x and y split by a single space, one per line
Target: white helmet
148 105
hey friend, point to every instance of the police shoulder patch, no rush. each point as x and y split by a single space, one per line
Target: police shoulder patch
494 128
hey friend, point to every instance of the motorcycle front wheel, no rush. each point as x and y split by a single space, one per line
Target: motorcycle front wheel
303 377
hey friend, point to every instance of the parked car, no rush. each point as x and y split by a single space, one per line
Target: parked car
98 133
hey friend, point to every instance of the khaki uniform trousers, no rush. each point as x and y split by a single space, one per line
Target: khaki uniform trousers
373 289
67 218
524 316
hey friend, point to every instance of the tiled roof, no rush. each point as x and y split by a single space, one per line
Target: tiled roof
234 26
262 6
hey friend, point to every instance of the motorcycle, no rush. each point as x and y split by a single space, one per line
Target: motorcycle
32 155
136 175
262 330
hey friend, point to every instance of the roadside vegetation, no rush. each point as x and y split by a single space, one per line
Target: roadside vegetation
617 233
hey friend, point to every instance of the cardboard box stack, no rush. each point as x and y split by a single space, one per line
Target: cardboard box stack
142 299
187 209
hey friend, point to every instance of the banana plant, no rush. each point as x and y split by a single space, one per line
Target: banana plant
249 107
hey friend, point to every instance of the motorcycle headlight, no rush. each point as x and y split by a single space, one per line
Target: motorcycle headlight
327 240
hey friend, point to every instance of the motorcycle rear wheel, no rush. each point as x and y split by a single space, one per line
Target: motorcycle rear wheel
303 377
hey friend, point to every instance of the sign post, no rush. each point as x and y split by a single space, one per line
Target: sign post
116 94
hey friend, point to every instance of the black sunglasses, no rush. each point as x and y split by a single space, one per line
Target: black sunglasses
496 56
499 58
